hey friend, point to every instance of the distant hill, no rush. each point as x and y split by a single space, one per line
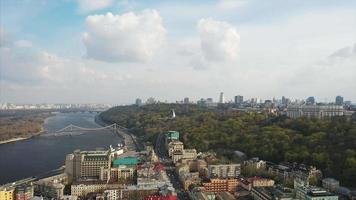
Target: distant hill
328 144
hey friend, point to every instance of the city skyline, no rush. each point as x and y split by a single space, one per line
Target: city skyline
185 99
85 51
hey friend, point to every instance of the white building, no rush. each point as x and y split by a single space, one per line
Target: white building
224 171
314 111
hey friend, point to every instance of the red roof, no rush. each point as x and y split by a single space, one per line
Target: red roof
159 167
160 197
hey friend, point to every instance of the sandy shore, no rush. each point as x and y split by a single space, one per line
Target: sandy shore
25 138
12 140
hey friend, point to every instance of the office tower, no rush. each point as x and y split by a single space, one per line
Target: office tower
339 100
138 102
284 100
222 98
310 101
186 100
239 99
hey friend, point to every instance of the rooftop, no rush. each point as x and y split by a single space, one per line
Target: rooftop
318 192
125 161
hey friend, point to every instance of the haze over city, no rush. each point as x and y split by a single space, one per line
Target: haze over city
113 51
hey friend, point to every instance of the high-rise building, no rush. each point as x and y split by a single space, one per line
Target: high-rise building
222 98
339 100
239 99
186 100
138 102
310 101
284 100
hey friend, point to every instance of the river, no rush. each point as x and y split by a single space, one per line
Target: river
41 154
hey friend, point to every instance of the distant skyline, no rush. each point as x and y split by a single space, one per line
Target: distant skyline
114 51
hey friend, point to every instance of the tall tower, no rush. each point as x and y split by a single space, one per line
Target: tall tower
222 98
339 100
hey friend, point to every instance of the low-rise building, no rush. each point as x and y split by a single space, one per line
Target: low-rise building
315 111
175 146
221 185
255 163
21 189
260 182
330 184
152 176
51 187
271 193
7 193
186 154
84 188
50 190
245 184
122 172
224 171
188 179
316 193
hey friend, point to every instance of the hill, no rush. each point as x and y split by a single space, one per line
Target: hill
327 144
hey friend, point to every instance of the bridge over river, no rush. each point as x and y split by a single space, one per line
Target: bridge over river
72 130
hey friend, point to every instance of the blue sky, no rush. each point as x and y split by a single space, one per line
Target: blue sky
113 51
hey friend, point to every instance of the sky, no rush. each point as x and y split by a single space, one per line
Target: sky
114 51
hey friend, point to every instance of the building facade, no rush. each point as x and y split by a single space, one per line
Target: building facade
7 193
221 185
87 164
314 111
175 146
330 184
82 189
224 171
319 194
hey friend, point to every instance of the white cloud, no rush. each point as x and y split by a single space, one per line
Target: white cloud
219 40
345 52
126 37
231 4
3 37
92 5
23 43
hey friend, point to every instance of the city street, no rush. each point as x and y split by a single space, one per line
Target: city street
161 152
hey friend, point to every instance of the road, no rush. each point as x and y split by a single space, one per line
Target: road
161 152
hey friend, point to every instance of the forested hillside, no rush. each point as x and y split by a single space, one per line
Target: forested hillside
15 124
330 144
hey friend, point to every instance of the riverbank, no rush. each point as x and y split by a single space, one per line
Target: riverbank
16 128
12 140
128 138
23 138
